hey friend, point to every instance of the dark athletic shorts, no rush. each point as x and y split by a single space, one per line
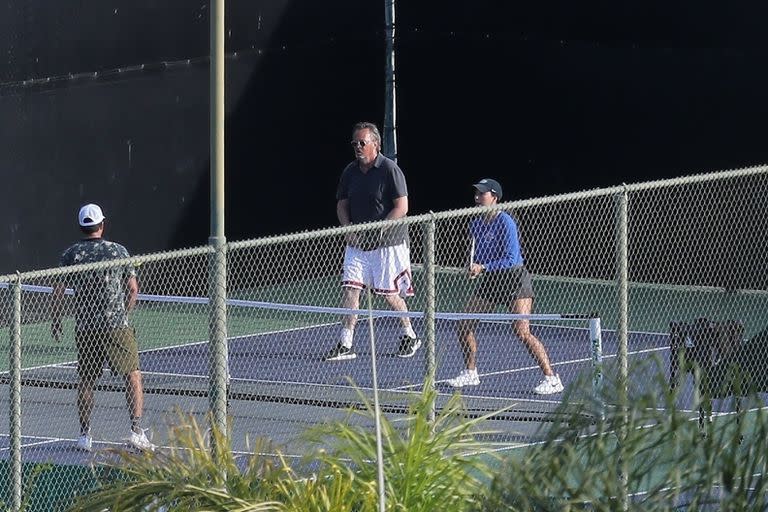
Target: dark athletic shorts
505 286
117 346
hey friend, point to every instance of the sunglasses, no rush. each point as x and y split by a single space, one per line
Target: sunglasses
359 143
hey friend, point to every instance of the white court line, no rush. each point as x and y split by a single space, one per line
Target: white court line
528 368
285 382
42 441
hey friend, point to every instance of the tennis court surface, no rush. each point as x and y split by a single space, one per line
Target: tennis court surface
280 384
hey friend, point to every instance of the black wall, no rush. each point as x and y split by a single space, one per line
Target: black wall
107 101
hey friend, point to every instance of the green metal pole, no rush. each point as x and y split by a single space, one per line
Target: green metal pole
219 368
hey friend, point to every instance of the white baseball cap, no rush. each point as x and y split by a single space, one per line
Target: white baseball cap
90 215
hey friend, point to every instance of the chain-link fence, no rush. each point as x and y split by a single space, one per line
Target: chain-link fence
638 257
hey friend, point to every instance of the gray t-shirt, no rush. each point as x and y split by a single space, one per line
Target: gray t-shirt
371 195
99 294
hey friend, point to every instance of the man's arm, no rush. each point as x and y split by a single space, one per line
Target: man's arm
342 212
399 208
133 292
56 301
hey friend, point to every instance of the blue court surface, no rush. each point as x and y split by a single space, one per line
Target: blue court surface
280 384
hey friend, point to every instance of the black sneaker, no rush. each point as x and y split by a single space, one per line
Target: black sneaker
408 346
340 353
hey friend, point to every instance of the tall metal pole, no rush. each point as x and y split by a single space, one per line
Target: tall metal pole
219 368
389 146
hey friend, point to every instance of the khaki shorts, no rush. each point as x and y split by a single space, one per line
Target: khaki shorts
117 347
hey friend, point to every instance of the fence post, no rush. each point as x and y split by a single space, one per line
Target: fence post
15 396
376 409
622 266
429 310
219 364
219 367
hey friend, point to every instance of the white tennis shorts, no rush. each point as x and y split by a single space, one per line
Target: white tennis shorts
386 270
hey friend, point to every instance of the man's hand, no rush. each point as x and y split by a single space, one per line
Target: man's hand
56 330
475 269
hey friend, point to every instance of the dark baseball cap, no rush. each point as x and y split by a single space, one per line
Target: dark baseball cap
489 185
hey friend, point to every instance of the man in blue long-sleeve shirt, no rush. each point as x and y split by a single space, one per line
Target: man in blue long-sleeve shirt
498 256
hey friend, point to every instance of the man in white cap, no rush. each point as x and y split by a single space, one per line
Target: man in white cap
103 299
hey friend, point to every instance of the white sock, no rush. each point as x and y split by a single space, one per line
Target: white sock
347 335
408 331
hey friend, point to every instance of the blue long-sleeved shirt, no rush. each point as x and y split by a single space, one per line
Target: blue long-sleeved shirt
497 244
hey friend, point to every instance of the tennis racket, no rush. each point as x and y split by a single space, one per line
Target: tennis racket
471 255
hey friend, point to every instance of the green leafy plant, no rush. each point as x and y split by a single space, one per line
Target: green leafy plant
185 476
428 466
648 456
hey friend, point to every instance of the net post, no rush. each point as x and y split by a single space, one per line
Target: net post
429 311
15 396
596 337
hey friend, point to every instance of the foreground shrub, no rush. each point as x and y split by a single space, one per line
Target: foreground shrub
651 457
427 467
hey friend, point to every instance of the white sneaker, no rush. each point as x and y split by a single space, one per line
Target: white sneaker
465 378
140 441
549 385
85 442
